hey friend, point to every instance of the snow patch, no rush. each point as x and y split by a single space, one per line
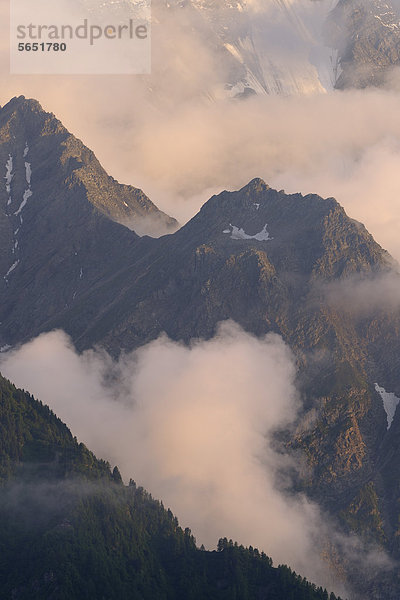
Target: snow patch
11 269
390 402
81 273
5 348
256 205
234 51
28 173
237 233
26 149
9 176
9 168
26 196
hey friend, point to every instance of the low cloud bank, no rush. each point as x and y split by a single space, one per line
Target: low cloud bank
194 426
364 295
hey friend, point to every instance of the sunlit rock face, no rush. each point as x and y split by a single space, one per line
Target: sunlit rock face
366 34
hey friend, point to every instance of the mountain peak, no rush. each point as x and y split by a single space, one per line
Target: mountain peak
256 185
21 102
34 143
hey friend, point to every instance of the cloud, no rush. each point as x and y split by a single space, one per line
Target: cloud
194 426
363 295
342 144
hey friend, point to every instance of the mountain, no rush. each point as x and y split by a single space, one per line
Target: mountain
53 159
69 528
262 258
273 262
60 213
366 34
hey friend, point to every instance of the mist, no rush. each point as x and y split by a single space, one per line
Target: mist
363 296
193 425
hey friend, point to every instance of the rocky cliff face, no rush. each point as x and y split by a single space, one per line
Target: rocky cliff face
366 34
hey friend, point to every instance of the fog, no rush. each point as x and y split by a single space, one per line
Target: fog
192 425
363 296
195 426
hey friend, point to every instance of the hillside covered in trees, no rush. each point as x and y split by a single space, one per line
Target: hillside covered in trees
70 529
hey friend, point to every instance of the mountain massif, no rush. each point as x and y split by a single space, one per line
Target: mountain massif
59 209
270 261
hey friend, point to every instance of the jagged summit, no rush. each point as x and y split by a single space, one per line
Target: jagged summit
255 185
21 116
60 214
292 229
66 166
241 250
20 101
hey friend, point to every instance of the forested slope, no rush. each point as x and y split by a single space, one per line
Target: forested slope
70 529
